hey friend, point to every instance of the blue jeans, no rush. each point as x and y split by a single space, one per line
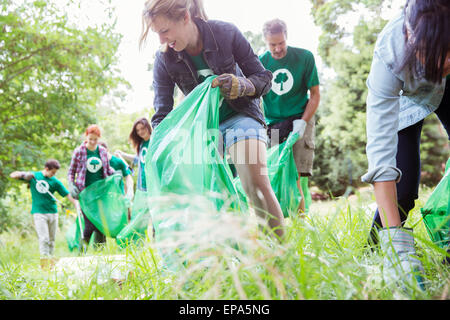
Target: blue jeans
240 127
408 161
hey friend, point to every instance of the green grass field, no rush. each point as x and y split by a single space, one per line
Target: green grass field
323 257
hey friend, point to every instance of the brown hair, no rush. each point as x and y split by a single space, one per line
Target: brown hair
274 26
52 164
172 9
134 137
427 36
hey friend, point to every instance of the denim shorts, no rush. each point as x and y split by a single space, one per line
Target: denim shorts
241 127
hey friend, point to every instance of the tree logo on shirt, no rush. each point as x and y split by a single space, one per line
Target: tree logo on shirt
94 164
282 81
42 186
143 154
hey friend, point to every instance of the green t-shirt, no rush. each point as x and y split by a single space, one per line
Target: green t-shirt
119 166
293 75
203 72
42 202
94 167
142 154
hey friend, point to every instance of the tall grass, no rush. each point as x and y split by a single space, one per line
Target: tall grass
229 256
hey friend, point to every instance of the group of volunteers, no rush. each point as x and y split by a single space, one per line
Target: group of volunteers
278 93
90 162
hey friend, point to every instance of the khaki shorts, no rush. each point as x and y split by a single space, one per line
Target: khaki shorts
304 150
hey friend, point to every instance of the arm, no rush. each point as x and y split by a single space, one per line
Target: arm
382 126
313 103
71 173
163 88
129 186
73 200
250 65
22 175
125 156
256 80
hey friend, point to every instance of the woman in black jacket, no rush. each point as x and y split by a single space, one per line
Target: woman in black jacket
195 48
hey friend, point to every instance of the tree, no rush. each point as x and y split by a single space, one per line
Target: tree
281 78
256 41
52 75
340 149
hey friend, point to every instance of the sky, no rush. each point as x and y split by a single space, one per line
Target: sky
247 15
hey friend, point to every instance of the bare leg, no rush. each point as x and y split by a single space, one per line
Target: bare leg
386 198
301 206
249 158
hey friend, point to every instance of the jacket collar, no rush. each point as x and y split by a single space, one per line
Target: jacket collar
209 41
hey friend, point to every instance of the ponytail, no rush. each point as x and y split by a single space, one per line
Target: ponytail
172 9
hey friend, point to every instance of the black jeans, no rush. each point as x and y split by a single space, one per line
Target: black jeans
408 161
89 229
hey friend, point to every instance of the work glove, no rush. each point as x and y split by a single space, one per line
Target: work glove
233 87
401 265
299 126
74 191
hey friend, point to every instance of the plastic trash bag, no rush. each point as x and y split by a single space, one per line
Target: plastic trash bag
436 212
183 156
73 234
283 176
306 192
103 203
140 219
183 161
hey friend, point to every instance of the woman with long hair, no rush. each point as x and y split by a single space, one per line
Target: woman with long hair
195 48
140 138
408 81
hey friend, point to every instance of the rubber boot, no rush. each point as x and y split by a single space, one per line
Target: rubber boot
401 265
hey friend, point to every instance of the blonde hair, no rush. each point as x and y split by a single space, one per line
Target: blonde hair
172 9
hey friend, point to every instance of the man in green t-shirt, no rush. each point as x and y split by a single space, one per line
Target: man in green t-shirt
287 106
43 206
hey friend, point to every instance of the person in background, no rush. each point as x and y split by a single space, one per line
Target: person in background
140 139
121 167
89 164
406 83
43 184
195 48
287 106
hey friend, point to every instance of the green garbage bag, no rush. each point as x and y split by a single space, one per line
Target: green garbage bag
103 203
183 161
140 219
436 212
306 192
283 176
183 156
73 234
